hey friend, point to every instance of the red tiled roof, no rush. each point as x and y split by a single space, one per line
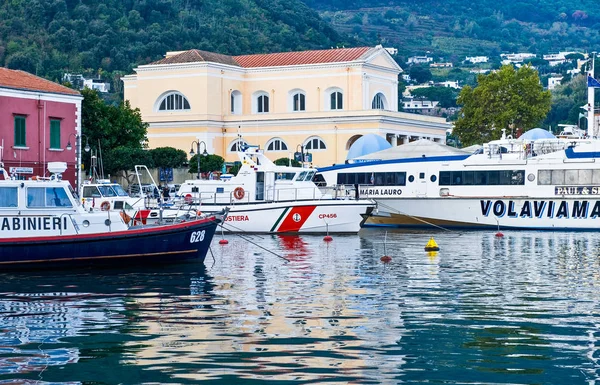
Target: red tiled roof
25 81
333 55
195 56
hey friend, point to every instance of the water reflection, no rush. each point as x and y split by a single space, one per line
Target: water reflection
518 309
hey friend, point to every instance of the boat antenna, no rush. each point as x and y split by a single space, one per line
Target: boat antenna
591 101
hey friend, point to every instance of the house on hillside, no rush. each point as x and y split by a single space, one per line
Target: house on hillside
38 119
419 105
476 59
441 65
514 58
419 60
323 100
554 81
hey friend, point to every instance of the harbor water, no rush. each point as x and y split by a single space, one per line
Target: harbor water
519 309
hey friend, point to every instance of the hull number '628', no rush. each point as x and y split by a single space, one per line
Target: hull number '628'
328 216
197 236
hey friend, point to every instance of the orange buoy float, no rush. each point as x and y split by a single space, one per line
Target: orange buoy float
499 234
328 238
431 245
386 259
239 193
223 242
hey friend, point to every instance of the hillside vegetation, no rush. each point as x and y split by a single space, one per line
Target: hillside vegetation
50 37
455 28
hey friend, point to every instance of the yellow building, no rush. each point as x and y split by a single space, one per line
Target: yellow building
323 100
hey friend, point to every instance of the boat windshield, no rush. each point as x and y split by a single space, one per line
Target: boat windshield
107 191
286 175
119 190
301 176
309 176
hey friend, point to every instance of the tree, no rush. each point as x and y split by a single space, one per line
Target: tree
208 163
168 157
445 95
420 74
122 160
501 99
108 127
286 162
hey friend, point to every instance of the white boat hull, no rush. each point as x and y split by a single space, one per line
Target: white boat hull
564 213
310 216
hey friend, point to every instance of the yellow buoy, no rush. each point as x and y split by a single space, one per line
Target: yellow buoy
431 245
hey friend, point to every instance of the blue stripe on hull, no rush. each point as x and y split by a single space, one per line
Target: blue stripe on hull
165 246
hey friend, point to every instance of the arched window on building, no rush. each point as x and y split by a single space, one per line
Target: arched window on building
378 102
236 102
276 144
260 103
314 143
299 101
173 101
237 145
336 100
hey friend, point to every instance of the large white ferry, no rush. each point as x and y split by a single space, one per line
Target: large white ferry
267 198
510 183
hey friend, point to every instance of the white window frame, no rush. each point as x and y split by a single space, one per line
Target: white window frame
235 100
379 101
312 140
174 95
234 143
255 102
300 94
328 93
274 142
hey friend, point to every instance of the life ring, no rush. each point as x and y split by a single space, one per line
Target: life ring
105 206
239 193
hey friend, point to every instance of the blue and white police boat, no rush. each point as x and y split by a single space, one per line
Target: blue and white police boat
42 224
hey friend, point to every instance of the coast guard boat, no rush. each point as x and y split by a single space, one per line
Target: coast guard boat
42 223
267 198
549 183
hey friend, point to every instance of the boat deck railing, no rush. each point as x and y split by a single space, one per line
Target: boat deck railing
268 194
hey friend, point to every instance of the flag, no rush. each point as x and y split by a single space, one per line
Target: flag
591 82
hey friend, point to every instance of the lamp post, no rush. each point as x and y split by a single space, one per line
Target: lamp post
205 153
78 154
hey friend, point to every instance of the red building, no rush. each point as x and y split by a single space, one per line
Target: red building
38 118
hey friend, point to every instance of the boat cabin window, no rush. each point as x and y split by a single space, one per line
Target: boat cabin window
309 176
482 178
285 175
107 191
47 197
319 180
301 176
91 192
581 177
372 178
119 190
9 197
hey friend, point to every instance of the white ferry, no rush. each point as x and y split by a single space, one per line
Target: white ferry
510 183
267 198
43 224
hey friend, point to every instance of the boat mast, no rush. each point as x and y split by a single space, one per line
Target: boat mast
591 90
